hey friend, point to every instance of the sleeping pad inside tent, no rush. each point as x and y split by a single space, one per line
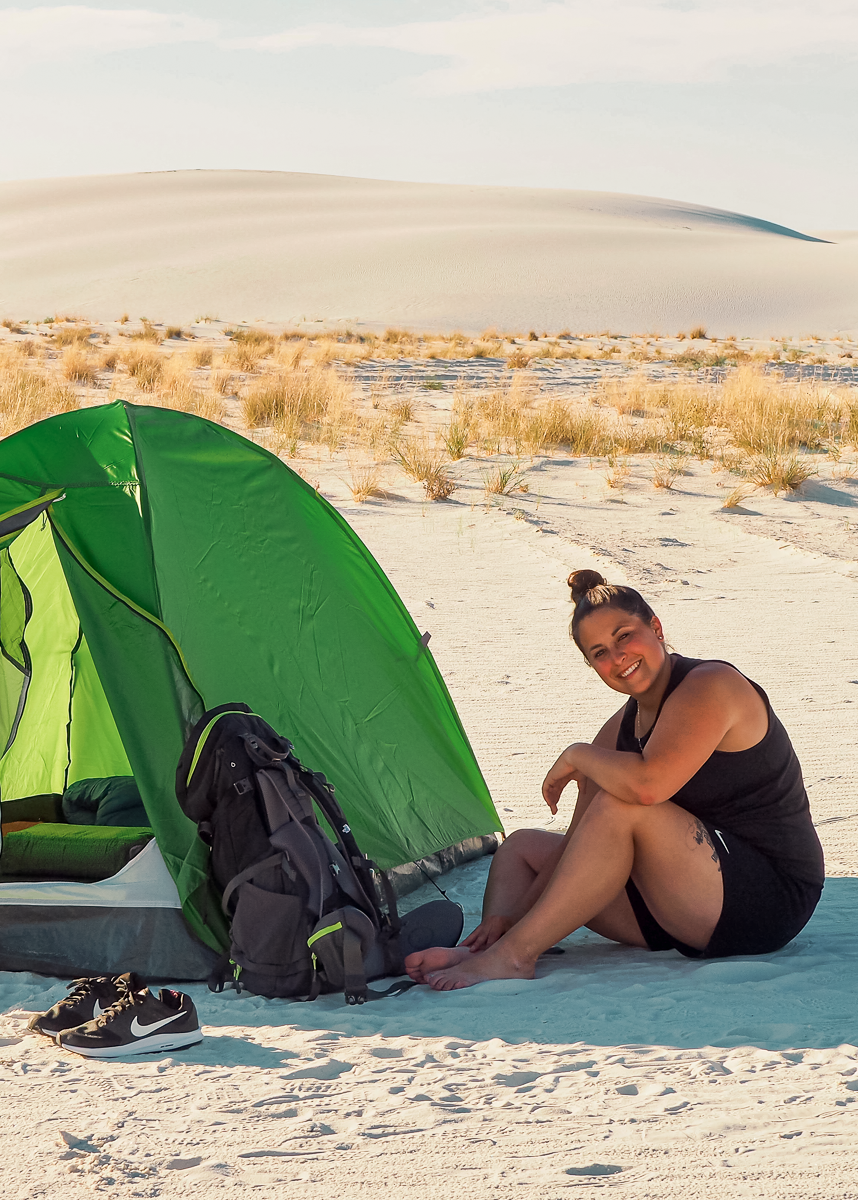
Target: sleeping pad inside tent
154 565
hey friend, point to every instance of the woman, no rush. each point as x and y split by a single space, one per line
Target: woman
692 829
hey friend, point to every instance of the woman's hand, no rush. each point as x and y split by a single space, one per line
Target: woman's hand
489 930
561 774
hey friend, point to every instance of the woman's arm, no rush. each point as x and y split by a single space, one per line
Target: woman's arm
605 739
694 721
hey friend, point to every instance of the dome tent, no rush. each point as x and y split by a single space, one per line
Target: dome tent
153 565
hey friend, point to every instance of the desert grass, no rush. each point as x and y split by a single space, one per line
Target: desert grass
456 438
416 458
147 333
779 472
618 476
502 480
77 367
666 470
738 496
248 348
28 396
71 335
364 481
439 484
145 367
221 381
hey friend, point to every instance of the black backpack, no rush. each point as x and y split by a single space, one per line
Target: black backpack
305 910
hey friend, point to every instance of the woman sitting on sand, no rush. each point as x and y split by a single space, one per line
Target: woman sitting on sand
692 829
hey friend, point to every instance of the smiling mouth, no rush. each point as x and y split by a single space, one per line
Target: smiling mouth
631 670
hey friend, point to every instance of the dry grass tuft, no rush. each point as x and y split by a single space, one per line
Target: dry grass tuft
779 472
456 438
403 410
249 347
699 331
175 331
72 335
518 359
220 382
145 367
416 458
618 476
439 485
666 470
27 396
201 356
311 394
77 367
147 333
503 480
738 495
365 481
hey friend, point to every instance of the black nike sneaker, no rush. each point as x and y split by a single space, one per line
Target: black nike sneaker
87 999
137 1023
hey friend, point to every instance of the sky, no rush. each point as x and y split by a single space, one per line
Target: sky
749 105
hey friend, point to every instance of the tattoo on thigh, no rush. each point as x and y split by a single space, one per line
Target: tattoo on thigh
702 838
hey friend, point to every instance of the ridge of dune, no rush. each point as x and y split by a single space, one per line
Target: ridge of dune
299 248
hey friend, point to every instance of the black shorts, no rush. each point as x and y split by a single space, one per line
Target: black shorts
763 908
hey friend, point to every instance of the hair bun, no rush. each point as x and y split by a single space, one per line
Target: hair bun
582 581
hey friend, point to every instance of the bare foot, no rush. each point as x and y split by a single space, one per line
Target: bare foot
418 964
490 964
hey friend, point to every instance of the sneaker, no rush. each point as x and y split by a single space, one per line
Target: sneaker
139 1022
87 999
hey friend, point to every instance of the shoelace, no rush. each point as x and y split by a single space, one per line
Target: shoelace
79 989
127 1000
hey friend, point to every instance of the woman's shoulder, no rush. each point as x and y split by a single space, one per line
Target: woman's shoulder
708 675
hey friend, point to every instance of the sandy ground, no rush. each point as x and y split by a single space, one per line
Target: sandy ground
274 246
651 1074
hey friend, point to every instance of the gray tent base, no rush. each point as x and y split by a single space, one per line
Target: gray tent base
411 876
71 941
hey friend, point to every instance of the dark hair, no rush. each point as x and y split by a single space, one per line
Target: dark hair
590 591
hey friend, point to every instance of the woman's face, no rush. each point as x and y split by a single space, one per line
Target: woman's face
625 651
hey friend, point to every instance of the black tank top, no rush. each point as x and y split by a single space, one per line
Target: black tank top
757 794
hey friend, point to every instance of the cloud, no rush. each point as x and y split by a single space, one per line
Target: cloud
576 41
66 31
497 46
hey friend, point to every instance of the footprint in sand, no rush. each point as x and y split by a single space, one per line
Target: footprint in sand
332 1069
517 1078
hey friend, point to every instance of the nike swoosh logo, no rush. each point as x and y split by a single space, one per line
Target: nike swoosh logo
139 1030
97 1010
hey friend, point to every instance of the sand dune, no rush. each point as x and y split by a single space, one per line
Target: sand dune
282 247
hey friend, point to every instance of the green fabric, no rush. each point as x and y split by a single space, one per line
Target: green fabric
14 656
199 569
37 760
85 852
95 747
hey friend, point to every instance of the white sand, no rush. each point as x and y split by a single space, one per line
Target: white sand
280 247
662 1077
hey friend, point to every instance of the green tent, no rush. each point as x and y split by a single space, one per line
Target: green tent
154 565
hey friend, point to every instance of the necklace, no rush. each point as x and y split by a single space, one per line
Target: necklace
639 737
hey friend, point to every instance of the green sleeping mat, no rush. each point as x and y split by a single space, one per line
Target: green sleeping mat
83 852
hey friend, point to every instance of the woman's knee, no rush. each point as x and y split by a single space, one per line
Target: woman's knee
531 845
604 804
